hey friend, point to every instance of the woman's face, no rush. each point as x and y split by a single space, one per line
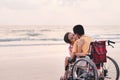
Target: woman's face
72 37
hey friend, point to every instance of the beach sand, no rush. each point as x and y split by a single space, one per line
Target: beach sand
45 62
32 62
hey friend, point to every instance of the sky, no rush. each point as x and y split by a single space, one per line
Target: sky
59 12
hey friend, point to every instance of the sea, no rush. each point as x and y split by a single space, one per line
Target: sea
38 35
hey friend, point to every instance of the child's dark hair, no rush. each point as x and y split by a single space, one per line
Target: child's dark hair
66 37
78 29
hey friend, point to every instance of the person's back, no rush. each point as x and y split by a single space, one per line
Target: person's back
84 47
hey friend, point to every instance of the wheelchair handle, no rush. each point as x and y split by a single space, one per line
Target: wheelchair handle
109 43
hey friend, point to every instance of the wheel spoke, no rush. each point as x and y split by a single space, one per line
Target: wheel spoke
86 72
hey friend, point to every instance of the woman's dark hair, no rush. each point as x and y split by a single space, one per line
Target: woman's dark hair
66 37
78 29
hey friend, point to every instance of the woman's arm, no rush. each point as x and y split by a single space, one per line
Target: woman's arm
72 55
70 51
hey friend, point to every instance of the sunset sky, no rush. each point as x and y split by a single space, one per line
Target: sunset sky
59 12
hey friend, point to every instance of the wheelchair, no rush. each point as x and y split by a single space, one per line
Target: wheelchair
86 69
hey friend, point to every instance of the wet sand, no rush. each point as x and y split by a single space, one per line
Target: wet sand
38 62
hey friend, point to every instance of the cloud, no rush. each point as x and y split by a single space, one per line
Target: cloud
36 4
67 2
60 11
22 4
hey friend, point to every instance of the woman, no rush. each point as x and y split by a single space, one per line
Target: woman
69 38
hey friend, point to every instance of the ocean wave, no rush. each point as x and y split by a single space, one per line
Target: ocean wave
112 34
45 30
17 31
109 38
10 36
29 39
36 37
33 34
41 44
12 39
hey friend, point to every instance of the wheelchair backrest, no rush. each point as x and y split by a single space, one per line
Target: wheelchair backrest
98 51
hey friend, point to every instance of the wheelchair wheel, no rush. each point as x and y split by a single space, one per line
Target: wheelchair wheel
110 69
84 69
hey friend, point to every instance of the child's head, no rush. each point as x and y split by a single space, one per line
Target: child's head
79 30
